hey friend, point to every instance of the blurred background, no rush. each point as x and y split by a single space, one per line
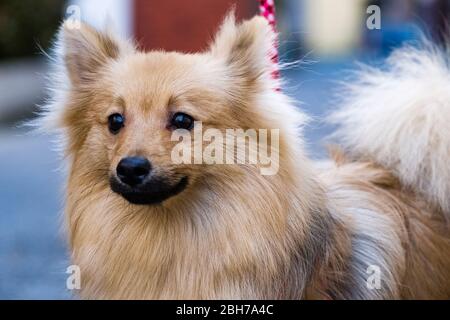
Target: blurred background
326 36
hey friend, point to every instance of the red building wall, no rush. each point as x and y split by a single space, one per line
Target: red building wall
183 25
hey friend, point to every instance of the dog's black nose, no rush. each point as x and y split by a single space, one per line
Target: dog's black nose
133 170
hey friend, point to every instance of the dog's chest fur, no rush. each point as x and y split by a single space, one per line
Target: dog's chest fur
215 244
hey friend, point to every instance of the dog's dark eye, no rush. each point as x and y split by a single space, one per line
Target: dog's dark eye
182 121
116 122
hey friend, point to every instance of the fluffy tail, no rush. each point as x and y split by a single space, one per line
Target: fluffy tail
399 117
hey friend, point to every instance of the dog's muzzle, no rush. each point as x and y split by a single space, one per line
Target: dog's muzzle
135 182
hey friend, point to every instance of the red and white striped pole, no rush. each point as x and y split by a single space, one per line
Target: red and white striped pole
267 10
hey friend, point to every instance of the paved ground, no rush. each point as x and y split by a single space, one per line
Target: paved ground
32 250
33 257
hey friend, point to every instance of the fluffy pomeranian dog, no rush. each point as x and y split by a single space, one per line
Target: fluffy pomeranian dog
142 227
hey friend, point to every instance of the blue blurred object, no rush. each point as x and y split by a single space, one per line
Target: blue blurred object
33 257
391 36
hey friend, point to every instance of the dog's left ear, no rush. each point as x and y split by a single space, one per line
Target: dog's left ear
245 48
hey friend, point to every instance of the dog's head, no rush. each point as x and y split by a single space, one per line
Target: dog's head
121 106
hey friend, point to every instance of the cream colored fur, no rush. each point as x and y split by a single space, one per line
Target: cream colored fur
399 117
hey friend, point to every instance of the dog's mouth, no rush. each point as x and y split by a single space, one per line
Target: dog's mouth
152 192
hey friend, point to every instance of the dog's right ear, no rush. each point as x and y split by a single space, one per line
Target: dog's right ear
85 51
